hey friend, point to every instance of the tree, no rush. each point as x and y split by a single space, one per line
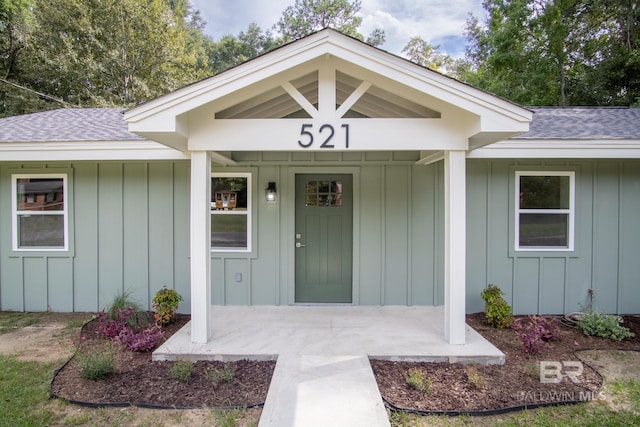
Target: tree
97 53
423 53
308 16
557 52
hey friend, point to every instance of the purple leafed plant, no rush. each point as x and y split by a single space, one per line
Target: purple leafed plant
111 327
143 340
534 332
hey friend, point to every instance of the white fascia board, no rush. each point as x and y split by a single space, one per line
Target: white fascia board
200 93
559 149
430 82
330 43
88 150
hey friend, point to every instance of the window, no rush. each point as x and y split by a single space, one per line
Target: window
323 193
231 212
545 210
39 212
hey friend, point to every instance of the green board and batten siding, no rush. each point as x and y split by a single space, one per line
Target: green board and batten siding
131 232
607 245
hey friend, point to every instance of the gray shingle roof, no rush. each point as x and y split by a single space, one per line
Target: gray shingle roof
67 124
107 124
584 123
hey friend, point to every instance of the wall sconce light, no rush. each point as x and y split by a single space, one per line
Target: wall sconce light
270 193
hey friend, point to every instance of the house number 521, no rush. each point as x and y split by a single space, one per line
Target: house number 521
325 133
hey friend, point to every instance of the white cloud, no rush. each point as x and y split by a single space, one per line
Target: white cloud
437 21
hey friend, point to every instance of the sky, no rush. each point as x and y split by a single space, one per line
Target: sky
440 22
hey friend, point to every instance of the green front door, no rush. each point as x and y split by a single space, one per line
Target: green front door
323 239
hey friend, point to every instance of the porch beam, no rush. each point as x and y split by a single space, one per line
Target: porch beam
363 134
454 245
200 230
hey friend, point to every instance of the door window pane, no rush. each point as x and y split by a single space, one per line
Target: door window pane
323 194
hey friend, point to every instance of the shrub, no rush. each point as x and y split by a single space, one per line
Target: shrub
96 363
534 331
143 340
166 303
604 325
416 380
181 370
498 312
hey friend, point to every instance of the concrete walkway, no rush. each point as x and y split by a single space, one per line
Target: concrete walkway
322 375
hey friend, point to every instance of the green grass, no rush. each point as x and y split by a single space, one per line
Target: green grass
24 390
10 320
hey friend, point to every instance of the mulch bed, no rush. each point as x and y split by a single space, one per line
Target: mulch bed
140 381
457 388
453 388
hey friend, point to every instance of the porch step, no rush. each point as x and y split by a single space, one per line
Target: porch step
309 391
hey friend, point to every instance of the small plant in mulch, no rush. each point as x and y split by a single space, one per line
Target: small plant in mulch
181 370
417 381
219 376
143 340
166 303
534 332
475 377
498 311
604 326
95 362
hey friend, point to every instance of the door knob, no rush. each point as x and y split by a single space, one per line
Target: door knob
299 245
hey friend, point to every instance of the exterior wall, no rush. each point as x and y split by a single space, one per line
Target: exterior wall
607 240
399 256
129 231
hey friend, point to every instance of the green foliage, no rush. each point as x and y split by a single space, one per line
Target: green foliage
556 53
604 326
181 370
417 381
166 303
498 311
96 362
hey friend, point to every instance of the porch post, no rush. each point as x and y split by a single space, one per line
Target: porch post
200 230
454 246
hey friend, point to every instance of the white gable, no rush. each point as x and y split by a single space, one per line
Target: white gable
297 96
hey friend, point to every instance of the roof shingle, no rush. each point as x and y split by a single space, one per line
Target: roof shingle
67 124
584 123
107 124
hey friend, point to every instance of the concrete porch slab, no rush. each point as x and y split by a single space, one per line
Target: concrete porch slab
389 332
323 376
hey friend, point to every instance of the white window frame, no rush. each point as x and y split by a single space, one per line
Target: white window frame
570 212
248 212
15 213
